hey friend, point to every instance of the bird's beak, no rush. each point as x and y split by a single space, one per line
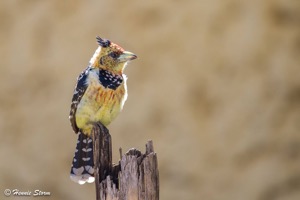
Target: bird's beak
126 56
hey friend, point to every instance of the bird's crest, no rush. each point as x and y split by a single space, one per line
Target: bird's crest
103 42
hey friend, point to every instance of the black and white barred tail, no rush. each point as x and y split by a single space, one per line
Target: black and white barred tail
82 169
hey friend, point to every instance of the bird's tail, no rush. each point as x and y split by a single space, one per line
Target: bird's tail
82 169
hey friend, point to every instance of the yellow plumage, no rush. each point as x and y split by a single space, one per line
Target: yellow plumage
101 89
99 104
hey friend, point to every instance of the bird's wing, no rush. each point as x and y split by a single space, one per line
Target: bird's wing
78 93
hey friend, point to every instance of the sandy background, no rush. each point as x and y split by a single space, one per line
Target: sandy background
216 87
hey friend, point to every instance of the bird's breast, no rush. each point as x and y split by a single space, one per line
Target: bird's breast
101 102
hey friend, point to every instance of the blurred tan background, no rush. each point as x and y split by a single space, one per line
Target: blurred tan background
216 87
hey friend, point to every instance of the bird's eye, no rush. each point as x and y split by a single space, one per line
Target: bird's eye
113 55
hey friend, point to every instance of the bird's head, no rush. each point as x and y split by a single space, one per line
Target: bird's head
110 56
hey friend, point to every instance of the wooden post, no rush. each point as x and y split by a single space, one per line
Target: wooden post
134 178
102 154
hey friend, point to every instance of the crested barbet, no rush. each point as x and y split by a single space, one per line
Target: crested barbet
99 96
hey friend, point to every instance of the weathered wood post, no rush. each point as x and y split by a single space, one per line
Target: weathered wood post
134 178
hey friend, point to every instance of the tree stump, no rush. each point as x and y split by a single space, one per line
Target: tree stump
135 177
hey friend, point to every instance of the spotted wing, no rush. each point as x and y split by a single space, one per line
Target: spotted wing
78 93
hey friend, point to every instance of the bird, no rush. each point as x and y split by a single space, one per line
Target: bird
99 96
